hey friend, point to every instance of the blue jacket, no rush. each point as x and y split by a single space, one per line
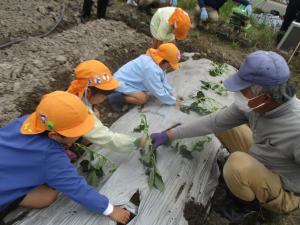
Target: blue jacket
27 161
216 4
143 74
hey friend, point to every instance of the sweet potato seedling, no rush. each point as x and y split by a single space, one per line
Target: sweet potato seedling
93 164
148 156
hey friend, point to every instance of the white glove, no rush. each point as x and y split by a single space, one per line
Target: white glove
203 14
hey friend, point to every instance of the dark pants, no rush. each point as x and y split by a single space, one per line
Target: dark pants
101 8
292 13
12 206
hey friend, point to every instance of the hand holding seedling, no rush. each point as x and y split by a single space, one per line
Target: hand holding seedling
159 139
140 142
148 156
120 215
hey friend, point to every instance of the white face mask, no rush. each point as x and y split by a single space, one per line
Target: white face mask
242 102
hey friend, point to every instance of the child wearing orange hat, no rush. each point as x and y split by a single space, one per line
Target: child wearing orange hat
34 167
146 75
93 83
168 24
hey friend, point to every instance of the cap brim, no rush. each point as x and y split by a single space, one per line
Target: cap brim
175 66
234 83
81 129
31 125
113 84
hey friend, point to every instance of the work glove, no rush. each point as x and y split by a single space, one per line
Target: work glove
249 9
203 14
159 139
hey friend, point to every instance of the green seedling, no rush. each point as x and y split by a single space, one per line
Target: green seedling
200 104
217 88
93 164
196 147
148 156
143 126
218 69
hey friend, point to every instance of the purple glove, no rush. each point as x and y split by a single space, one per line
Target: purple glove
159 139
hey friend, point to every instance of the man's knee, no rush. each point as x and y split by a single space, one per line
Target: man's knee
237 163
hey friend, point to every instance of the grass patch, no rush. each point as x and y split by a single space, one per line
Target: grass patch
262 36
226 9
187 4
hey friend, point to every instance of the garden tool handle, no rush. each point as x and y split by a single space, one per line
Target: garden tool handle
173 126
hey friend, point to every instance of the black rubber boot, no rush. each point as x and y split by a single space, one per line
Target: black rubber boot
86 10
238 211
101 8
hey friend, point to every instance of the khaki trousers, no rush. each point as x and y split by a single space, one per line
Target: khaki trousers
248 179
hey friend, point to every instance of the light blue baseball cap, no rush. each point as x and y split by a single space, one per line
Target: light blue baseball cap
264 68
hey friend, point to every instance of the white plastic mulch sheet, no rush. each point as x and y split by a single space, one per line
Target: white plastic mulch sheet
184 179
272 21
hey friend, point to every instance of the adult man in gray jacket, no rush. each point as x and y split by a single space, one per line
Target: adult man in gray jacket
269 170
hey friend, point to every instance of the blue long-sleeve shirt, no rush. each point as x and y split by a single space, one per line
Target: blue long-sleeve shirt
27 161
143 74
216 4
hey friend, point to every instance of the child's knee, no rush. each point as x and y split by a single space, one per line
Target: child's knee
141 98
144 98
49 199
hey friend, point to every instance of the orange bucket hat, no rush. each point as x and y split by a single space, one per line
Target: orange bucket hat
181 22
61 112
92 73
168 52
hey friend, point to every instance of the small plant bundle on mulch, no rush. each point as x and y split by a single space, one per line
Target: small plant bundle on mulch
185 152
200 104
148 156
218 69
217 88
93 164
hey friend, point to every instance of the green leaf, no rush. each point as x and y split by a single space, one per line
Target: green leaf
151 178
92 178
143 126
216 87
199 146
85 165
92 157
138 129
99 172
145 159
185 152
218 69
200 94
111 171
158 182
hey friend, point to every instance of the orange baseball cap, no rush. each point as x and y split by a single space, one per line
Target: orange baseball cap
181 22
92 73
61 112
168 52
